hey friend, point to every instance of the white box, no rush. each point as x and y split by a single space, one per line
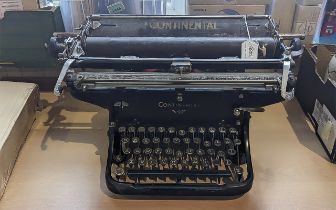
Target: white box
17 110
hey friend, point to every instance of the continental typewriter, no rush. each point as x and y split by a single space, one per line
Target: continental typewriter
179 90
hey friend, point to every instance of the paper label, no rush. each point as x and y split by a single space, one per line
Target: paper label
326 125
249 50
116 7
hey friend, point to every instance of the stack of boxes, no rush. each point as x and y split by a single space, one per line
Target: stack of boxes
17 5
229 7
306 16
9 5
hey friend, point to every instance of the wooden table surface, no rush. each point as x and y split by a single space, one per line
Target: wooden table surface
62 164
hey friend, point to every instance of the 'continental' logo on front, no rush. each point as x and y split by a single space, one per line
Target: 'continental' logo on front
187 25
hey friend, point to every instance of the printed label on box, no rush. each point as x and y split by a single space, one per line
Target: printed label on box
326 125
306 28
116 8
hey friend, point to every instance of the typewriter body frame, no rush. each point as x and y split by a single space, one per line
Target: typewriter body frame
177 71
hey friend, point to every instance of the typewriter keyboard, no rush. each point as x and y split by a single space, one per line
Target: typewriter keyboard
211 155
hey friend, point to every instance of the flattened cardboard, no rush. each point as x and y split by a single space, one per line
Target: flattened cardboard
17 111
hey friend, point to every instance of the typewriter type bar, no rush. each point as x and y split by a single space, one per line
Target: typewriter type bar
179 90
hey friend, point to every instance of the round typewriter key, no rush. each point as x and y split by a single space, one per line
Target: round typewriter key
200 152
201 130
164 161
122 129
156 140
120 171
161 129
146 141
137 151
131 129
142 162
192 130
148 151
233 130
158 151
232 152
166 140
169 151
124 140
197 140
151 129
212 130
237 142
135 140
173 162
171 130
205 164
222 130
186 140
176 140
211 152
221 153
181 132
152 161
179 154
194 161
189 151
127 151
118 158
141 129
217 143
228 162
131 162
227 141
184 163
239 170
216 162
207 143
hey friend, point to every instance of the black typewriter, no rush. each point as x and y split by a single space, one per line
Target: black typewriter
179 90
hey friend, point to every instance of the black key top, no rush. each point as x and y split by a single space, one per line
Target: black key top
186 140
156 140
146 141
200 152
207 143
158 151
176 140
232 152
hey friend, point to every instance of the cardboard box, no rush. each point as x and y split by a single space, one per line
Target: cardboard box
305 21
283 14
30 4
306 13
241 2
309 2
17 110
9 5
227 9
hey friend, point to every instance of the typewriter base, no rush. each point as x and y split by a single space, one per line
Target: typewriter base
229 191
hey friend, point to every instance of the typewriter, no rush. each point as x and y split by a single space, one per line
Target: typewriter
179 90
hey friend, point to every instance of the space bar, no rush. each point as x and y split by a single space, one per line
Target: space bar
177 173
